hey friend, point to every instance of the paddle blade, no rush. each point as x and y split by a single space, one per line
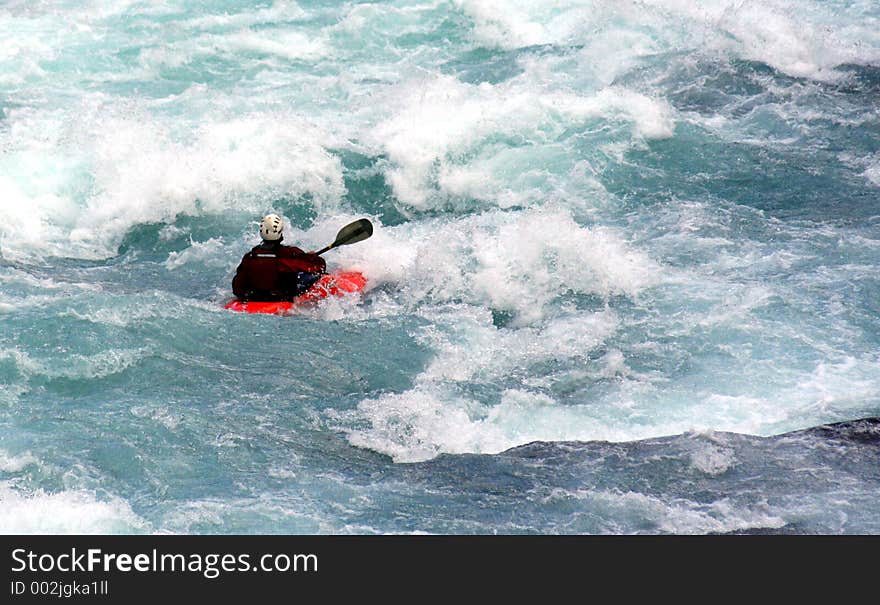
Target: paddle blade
354 232
351 233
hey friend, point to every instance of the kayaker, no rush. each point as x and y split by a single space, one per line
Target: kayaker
272 271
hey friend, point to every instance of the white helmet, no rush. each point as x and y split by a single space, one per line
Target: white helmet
270 227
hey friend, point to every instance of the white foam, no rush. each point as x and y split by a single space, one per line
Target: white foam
23 362
99 365
76 366
22 367
712 458
16 464
281 11
472 348
170 232
872 172
506 24
13 276
434 417
200 252
145 176
120 315
517 262
804 40
431 419
66 512
454 273
841 383
222 514
440 120
799 46
24 46
631 510
30 221
809 41
285 44
165 416
424 422
145 172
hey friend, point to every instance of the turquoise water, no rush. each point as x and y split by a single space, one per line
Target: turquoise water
626 254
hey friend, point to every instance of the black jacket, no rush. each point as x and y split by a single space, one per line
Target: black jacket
272 271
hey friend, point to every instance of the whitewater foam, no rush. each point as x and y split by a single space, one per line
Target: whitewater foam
75 366
66 512
677 515
200 252
712 458
281 11
872 172
17 463
517 262
144 174
441 125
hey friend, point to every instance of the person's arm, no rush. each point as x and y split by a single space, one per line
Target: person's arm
298 260
317 261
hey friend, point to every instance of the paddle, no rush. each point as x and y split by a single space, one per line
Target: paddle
350 234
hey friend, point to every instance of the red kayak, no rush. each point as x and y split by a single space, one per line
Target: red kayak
331 284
